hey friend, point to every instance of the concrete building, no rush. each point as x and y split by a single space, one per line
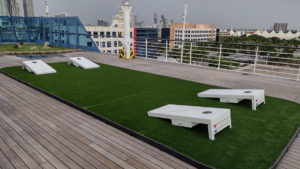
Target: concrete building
108 39
28 8
193 32
4 8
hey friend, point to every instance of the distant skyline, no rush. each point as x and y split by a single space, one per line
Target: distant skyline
257 14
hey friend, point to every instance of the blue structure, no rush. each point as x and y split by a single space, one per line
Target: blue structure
58 31
140 36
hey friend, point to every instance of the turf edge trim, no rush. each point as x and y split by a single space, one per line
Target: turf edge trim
132 133
285 150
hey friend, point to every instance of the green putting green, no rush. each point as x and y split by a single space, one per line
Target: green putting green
125 96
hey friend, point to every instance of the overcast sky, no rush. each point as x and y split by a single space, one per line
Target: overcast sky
223 13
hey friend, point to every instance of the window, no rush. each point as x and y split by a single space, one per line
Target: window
116 52
115 43
114 34
97 43
109 44
102 34
95 34
109 51
103 45
108 34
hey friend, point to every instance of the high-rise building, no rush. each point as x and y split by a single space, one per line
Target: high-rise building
4 10
280 27
19 9
134 21
62 14
28 8
102 22
155 20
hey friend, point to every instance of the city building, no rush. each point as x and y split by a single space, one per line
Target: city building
62 14
143 36
58 31
28 8
118 20
193 33
102 22
165 34
133 21
280 27
108 39
4 8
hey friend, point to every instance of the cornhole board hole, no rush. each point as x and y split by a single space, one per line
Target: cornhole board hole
38 67
257 96
83 63
190 116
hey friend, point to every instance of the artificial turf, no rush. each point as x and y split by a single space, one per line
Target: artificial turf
125 96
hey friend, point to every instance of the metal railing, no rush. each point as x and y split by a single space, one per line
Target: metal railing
273 61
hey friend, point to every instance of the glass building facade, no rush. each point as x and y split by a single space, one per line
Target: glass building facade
140 36
58 31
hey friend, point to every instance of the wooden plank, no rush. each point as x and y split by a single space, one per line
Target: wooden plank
34 143
12 156
111 156
4 162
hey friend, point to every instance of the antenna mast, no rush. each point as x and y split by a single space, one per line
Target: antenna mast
183 29
47 9
184 19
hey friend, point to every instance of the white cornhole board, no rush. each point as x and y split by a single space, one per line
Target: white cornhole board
257 96
83 63
190 116
38 67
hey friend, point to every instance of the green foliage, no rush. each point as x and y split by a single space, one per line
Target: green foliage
125 96
26 48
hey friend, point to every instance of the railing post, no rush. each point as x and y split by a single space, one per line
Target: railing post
255 61
298 77
191 53
220 55
182 48
166 51
146 44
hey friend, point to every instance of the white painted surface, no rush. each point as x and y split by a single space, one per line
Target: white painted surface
257 96
38 67
190 116
83 63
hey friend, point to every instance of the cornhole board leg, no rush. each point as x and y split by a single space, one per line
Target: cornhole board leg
182 123
214 128
230 100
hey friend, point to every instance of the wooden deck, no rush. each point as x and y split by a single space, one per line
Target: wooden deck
39 132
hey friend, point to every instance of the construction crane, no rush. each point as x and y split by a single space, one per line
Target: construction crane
47 8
